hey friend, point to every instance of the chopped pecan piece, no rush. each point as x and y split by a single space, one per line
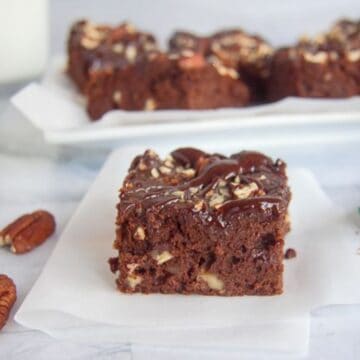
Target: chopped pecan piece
7 298
28 231
290 253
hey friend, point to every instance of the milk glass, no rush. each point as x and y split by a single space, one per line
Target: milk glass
24 32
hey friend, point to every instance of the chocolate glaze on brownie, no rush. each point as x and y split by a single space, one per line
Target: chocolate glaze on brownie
202 223
325 66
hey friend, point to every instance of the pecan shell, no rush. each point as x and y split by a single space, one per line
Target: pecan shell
28 231
7 298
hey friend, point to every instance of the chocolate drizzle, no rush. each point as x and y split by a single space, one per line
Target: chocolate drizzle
249 167
263 203
187 156
217 169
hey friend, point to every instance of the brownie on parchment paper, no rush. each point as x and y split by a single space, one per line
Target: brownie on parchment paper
92 46
122 68
171 80
199 223
249 54
326 66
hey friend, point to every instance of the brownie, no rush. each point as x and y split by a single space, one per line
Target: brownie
327 66
92 46
249 54
199 223
172 80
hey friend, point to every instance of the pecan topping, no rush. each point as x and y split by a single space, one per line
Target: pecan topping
28 231
7 298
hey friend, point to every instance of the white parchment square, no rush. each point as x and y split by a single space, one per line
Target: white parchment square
77 288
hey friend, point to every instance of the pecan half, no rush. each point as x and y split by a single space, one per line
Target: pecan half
7 298
28 231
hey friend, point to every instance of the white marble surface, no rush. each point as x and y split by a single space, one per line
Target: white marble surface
33 175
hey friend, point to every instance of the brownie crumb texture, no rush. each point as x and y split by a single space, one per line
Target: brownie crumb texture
199 223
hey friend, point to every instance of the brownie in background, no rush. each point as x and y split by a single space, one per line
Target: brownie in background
327 66
159 80
92 47
123 68
199 223
249 54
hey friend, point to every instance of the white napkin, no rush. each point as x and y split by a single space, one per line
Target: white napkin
76 288
56 107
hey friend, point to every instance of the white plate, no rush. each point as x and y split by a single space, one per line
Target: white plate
58 110
76 287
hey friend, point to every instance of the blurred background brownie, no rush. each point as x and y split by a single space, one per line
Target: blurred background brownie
92 46
123 68
325 66
175 80
249 54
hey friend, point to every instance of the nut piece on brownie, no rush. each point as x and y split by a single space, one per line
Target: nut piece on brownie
327 66
249 54
92 46
199 223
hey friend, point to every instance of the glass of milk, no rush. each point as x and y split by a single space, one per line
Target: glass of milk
24 32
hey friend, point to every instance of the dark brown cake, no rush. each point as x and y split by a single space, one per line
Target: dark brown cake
198 223
176 80
93 46
327 66
249 54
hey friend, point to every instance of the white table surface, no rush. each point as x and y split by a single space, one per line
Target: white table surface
35 175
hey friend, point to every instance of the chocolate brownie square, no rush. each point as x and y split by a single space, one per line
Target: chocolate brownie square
92 46
249 54
327 66
174 80
199 223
